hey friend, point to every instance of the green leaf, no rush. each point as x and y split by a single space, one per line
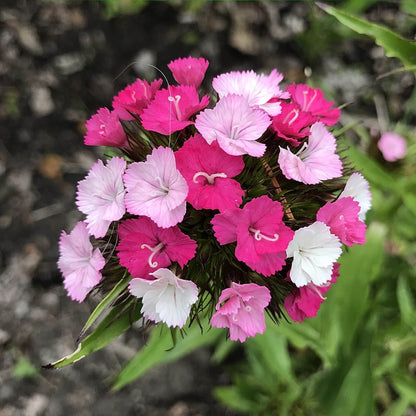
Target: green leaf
118 320
232 397
24 369
406 302
159 349
394 45
406 386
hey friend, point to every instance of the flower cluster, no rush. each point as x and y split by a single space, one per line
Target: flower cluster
224 205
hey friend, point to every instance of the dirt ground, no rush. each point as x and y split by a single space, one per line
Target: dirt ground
59 62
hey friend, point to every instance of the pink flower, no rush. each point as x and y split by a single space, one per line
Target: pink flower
104 129
165 299
79 263
342 218
392 146
260 91
242 311
313 101
315 161
304 302
172 109
261 235
144 247
235 125
155 188
208 171
101 195
135 97
359 189
292 123
189 71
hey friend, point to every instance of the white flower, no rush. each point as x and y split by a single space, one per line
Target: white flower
314 250
358 188
166 299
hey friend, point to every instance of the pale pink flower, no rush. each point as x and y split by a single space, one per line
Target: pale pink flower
313 101
342 217
261 235
172 109
359 189
235 125
392 146
144 247
189 71
314 250
100 195
208 171
304 302
167 298
157 189
79 263
315 161
261 91
242 311
104 129
135 97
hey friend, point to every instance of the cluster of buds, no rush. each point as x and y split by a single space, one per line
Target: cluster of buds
228 205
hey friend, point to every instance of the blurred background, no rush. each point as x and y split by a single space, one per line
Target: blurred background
62 60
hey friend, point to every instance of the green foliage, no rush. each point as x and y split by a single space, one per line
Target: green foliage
24 369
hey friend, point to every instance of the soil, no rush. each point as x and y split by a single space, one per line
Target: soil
59 62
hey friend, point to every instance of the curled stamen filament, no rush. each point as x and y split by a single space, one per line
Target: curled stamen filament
304 146
154 250
307 105
315 289
209 178
259 236
175 100
296 115
162 185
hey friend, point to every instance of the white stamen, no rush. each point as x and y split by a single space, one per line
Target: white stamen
307 105
235 318
154 250
209 178
162 185
341 217
259 236
175 100
293 118
315 289
304 146
248 308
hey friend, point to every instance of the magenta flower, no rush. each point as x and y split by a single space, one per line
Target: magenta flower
315 161
304 302
79 263
189 71
292 123
392 146
104 129
144 247
135 97
155 188
100 195
165 299
342 217
172 109
261 91
242 311
359 189
235 125
208 171
313 101
261 235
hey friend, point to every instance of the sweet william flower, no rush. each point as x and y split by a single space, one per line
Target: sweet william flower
144 247
167 298
242 310
172 109
156 188
315 161
314 250
79 263
101 195
104 129
208 171
359 189
261 91
235 125
189 71
342 217
392 146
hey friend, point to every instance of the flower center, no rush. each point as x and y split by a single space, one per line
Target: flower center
210 178
307 105
162 186
234 133
175 100
259 236
154 250
295 116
